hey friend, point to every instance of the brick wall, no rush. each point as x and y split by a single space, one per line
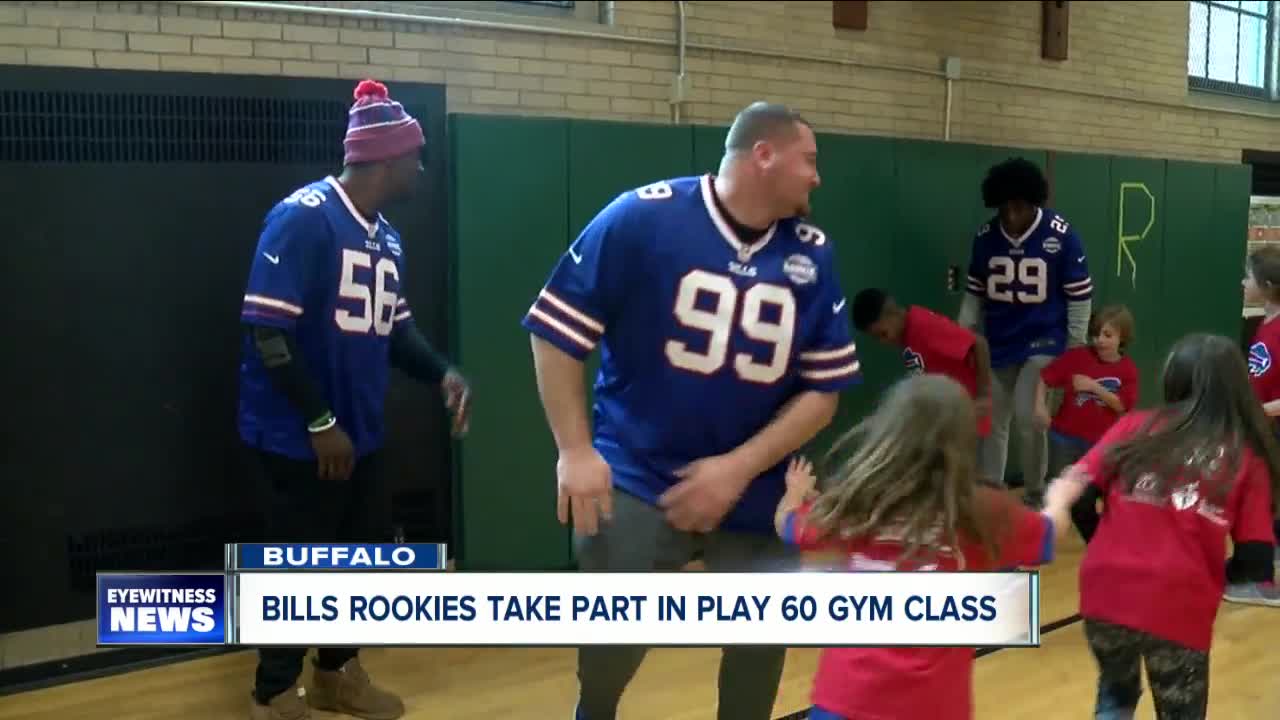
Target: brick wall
1122 91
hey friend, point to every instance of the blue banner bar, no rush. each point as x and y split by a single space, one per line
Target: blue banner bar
338 556
154 609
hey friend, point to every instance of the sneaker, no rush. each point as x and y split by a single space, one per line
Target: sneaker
288 705
1253 594
348 690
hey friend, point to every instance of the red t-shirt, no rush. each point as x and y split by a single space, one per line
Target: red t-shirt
1157 564
910 683
1084 415
1263 355
935 344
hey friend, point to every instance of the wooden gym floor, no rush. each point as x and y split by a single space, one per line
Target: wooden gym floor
1053 681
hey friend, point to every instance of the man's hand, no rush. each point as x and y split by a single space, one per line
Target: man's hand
335 455
585 486
457 398
707 490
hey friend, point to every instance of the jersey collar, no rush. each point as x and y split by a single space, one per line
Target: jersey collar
726 230
371 228
1019 240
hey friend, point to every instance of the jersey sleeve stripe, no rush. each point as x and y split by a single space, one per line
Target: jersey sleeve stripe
975 285
1080 289
564 307
839 372
824 355
403 316
537 315
272 303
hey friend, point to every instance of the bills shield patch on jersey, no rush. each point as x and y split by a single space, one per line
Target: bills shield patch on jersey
800 269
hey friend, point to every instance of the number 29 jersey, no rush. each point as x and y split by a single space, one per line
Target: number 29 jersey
1025 284
703 339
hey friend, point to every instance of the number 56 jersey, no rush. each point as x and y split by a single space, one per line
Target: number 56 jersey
703 339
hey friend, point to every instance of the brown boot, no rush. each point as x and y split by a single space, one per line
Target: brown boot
348 690
285 706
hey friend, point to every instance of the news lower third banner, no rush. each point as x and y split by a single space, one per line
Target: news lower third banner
397 595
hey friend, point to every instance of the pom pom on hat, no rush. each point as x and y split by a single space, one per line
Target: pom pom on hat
378 128
371 89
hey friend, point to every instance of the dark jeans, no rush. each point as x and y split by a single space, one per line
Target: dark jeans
303 508
1065 451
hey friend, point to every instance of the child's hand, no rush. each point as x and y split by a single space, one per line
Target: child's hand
1065 489
1042 419
800 479
1083 383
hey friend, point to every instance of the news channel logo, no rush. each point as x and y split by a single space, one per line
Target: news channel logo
162 609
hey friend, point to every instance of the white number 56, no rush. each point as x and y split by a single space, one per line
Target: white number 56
377 306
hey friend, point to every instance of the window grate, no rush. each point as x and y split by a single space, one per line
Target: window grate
86 127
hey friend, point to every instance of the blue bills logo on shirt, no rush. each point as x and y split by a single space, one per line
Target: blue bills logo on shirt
914 361
1259 359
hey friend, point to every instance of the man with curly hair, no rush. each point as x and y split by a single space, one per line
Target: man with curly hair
1030 295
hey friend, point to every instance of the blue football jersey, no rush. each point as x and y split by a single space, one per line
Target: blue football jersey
1025 284
327 275
703 339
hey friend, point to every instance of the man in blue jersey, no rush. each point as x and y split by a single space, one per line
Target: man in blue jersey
725 340
1030 293
326 317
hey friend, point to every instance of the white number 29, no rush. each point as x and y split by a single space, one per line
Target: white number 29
718 324
377 306
1031 273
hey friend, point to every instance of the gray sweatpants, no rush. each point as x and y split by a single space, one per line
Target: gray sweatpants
639 539
1013 396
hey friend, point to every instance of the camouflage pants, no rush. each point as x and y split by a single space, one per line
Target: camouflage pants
1178 675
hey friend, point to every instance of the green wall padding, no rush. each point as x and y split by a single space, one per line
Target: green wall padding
708 147
1081 191
1188 231
854 207
510 194
1134 271
608 158
1225 269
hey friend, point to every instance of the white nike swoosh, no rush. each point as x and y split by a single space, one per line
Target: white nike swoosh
835 307
275 259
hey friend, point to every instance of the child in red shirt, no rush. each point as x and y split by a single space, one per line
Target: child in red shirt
908 499
1178 481
1262 287
1100 384
931 343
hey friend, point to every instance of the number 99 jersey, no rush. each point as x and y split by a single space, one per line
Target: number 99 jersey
703 339
1025 284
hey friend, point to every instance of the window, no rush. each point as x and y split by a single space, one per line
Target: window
593 12
1232 47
